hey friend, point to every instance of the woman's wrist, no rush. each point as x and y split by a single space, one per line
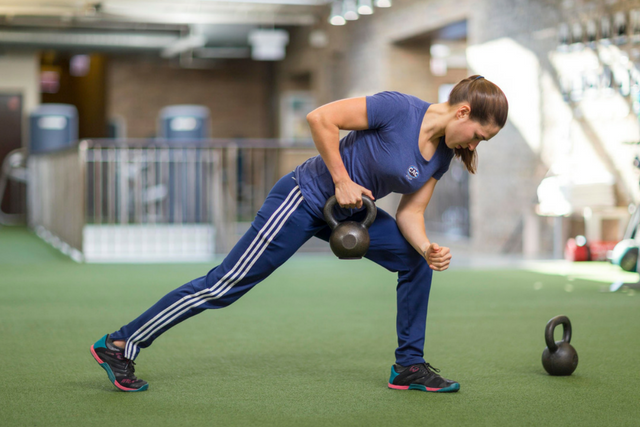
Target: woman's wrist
340 177
424 248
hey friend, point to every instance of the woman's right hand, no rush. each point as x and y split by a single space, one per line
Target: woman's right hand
349 194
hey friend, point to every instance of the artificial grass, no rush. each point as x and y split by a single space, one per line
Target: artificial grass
311 346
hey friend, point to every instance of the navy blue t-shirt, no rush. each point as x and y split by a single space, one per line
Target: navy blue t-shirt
385 158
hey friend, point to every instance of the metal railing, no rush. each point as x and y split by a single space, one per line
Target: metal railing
125 196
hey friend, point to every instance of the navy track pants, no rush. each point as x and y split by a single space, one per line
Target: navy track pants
283 224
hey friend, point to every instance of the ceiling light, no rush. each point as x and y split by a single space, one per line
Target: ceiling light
383 3
268 45
365 7
350 10
337 20
336 17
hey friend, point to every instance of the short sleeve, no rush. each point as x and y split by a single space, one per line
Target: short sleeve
386 109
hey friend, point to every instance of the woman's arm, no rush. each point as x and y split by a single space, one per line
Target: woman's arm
410 220
325 123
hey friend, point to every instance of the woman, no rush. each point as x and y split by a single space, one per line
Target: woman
400 144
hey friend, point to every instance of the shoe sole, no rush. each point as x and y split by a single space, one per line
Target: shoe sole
111 375
452 388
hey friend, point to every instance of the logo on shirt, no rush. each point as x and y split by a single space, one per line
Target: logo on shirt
412 172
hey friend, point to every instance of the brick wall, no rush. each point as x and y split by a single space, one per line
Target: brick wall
238 93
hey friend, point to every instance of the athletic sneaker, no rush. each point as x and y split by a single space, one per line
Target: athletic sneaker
420 377
119 369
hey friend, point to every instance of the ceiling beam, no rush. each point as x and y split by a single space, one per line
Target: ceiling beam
184 44
201 3
88 40
245 17
257 18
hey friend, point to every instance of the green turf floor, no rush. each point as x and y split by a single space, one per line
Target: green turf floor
312 345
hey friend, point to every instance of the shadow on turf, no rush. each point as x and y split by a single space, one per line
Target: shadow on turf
100 383
221 371
215 371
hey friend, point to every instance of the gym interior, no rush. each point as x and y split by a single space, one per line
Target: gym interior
138 140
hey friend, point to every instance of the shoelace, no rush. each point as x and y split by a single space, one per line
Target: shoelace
430 368
129 366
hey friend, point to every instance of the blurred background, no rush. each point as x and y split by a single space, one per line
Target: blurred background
153 130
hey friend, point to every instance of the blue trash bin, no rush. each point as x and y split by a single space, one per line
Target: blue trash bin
53 127
184 123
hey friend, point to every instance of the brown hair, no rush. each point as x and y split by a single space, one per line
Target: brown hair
488 105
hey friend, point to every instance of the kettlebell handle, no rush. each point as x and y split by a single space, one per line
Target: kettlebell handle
333 223
551 325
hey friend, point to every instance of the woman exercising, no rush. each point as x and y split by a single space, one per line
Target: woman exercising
399 144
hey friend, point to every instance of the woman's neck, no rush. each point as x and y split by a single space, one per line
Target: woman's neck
436 119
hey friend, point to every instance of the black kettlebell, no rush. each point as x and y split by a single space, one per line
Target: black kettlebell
349 239
559 358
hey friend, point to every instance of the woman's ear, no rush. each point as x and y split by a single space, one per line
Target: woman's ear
463 111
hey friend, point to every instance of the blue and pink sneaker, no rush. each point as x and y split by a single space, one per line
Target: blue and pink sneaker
119 369
422 376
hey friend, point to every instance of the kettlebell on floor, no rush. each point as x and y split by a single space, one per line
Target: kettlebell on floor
559 358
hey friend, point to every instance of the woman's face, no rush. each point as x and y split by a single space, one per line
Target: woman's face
464 133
